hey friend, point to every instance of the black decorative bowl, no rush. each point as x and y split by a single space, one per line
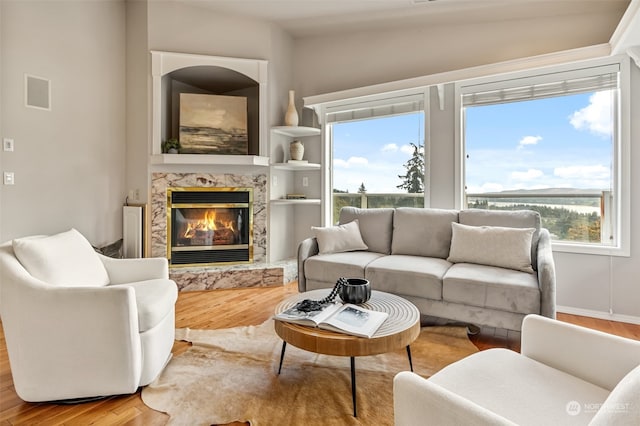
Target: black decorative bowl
355 291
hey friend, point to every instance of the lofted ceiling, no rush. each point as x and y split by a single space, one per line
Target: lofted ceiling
308 18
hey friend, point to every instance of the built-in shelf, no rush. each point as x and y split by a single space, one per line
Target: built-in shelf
296 166
308 201
207 159
296 131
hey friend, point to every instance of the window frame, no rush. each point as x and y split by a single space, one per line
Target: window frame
375 101
621 142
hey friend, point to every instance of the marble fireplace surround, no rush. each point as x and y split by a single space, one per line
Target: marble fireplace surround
256 274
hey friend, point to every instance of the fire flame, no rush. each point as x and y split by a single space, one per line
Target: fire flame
208 223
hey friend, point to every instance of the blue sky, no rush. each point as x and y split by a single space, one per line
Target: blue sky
560 142
374 151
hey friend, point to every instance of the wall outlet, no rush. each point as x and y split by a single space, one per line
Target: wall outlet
305 181
274 180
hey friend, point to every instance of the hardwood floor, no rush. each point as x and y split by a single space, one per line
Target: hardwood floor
210 310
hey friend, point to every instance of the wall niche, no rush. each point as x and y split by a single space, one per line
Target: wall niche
177 73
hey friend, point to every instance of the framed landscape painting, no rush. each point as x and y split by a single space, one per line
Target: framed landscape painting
213 124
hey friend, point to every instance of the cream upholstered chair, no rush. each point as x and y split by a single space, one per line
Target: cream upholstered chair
564 375
78 324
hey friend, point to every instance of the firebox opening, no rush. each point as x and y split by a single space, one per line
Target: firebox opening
209 226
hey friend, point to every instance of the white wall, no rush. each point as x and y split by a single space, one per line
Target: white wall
345 61
137 101
68 162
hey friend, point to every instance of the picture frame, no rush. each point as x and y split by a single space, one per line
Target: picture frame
213 124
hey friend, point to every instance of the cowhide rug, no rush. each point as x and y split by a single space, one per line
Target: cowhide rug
231 375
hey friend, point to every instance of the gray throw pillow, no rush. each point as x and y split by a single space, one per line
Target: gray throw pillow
338 239
376 226
422 232
492 245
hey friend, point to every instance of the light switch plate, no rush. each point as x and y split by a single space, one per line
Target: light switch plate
7 144
9 178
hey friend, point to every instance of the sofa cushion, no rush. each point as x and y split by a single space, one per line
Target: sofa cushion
492 245
422 232
408 275
511 219
520 389
329 267
65 259
623 404
338 239
491 287
154 300
376 226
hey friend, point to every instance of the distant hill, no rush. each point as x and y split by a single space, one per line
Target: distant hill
548 192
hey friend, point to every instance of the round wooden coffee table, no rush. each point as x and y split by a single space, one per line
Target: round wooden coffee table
398 331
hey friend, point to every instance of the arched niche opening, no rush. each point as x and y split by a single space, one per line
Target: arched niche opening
175 74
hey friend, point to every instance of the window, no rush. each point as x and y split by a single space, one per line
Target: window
549 143
377 154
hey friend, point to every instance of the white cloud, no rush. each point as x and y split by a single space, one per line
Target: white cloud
338 162
528 175
583 172
406 149
390 147
360 161
352 161
595 117
529 140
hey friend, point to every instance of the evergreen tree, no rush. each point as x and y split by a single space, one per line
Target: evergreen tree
362 189
413 181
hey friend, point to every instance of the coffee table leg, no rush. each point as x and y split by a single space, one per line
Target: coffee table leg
408 354
284 346
353 386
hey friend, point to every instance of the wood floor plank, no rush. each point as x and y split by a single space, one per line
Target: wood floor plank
212 309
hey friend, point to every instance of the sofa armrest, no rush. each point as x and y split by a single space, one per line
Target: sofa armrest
579 351
306 249
123 271
418 401
546 275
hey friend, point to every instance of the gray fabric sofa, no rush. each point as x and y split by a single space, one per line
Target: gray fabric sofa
407 254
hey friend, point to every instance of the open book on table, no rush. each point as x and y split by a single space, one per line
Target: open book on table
343 318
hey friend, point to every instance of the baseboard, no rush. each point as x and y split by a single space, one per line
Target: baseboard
598 314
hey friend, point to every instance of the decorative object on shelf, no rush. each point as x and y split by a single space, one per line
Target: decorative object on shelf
291 116
213 124
296 150
296 197
171 146
355 290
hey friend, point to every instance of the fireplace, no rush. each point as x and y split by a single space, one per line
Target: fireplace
209 226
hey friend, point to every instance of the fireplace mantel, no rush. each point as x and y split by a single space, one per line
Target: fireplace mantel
215 160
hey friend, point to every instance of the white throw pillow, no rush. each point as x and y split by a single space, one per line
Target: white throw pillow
341 238
492 245
65 259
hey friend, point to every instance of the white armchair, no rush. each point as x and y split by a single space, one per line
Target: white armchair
565 375
78 324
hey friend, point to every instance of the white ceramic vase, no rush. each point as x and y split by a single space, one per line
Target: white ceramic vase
296 150
291 116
